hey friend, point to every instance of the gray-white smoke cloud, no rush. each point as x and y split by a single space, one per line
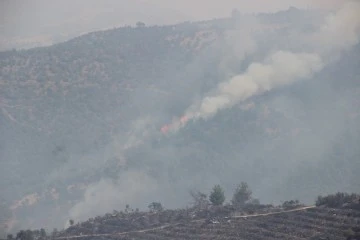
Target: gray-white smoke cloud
339 32
239 42
129 187
107 195
279 69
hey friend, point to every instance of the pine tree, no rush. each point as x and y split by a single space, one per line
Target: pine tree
217 196
242 195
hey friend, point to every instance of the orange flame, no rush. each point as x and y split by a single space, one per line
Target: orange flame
175 124
184 119
165 129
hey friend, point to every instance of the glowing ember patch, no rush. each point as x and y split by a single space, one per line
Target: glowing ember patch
175 125
165 129
184 119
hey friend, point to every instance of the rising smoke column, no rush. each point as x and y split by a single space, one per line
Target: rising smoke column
339 32
279 69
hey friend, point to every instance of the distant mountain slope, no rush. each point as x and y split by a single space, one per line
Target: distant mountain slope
68 102
80 121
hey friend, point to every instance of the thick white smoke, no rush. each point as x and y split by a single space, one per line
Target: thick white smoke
339 32
279 69
107 195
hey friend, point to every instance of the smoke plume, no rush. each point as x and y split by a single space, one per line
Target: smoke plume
339 32
278 69
130 187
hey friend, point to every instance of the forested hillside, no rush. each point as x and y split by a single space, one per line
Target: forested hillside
80 121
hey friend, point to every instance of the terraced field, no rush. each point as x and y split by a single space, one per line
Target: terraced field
310 223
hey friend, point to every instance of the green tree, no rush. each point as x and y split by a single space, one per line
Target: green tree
127 208
155 207
21 235
241 195
71 222
54 232
25 235
217 196
337 200
42 233
140 24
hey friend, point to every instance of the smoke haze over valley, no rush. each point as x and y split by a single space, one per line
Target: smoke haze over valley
133 115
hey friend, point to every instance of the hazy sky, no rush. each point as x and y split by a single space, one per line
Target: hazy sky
30 23
208 9
21 15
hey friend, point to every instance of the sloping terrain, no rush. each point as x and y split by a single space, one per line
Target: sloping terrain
294 225
300 223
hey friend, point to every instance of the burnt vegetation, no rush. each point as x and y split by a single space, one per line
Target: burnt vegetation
339 200
335 216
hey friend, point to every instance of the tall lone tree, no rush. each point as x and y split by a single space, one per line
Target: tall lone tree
155 207
140 24
217 196
241 195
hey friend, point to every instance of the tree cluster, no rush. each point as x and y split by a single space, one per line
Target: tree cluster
29 235
338 200
291 204
242 196
155 207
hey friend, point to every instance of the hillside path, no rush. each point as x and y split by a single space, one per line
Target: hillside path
175 224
